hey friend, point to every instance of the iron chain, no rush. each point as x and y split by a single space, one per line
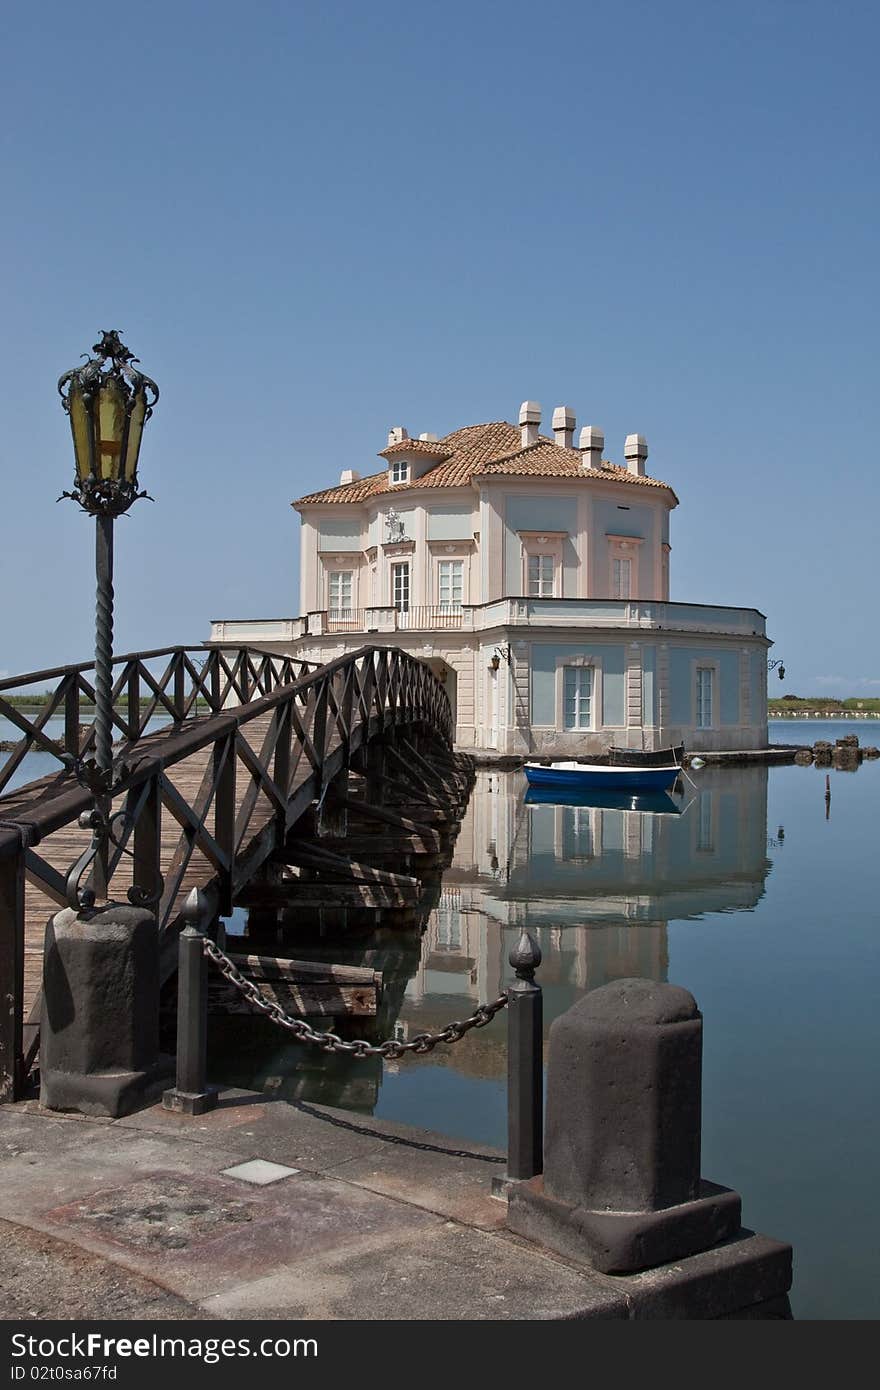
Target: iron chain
331 1042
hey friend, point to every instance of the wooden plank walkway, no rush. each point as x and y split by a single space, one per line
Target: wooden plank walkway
62 848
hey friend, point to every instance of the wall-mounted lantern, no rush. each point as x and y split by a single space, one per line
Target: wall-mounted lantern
495 659
772 665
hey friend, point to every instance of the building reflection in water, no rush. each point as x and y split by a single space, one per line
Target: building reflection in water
597 886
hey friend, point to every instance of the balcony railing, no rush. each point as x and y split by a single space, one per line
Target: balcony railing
611 614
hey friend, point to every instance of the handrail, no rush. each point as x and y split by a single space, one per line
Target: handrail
192 676
31 677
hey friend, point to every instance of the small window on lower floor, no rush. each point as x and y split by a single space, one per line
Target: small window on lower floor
577 697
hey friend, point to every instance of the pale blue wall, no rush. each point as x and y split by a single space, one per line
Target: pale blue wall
757 715
339 533
610 659
681 686
613 682
633 521
556 513
450 524
649 671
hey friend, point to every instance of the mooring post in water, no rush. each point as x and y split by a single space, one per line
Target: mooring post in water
191 1094
525 1068
827 796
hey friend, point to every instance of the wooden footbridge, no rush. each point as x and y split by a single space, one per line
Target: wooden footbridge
268 780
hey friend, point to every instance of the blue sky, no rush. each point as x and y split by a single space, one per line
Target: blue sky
313 221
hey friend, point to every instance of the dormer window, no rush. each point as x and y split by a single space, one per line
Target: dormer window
399 471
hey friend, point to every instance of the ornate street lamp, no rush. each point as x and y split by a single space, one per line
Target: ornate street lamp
109 402
772 666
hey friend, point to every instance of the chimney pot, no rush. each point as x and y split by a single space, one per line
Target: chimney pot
635 451
591 444
529 422
563 426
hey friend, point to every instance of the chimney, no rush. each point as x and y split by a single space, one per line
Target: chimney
348 475
591 443
396 435
428 438
529 422
635 451
563 426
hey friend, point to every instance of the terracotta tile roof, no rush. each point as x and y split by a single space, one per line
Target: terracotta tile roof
478 451
431 448
546 460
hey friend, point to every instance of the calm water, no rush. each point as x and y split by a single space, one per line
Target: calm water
752 898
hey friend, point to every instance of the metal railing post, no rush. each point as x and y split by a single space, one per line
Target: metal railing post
525 1068
191 1093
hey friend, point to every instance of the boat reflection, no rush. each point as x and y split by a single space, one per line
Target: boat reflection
651 802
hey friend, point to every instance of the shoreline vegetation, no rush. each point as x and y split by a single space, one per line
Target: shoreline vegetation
785 707
800 707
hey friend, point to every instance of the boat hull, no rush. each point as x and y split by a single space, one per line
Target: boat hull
586 778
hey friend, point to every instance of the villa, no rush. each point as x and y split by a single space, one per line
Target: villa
532 576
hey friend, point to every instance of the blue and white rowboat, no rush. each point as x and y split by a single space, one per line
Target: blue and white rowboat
594 777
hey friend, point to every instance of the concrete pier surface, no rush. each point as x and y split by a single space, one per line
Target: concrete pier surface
265 1209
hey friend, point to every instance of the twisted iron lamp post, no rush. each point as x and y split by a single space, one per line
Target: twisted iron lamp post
108 402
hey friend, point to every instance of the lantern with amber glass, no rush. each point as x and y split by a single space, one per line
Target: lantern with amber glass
108 401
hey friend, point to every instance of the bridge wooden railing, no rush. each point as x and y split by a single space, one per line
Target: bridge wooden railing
189 681
207 801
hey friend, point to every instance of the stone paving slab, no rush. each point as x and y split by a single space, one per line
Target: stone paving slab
213 1233
41 1277
270 1129
451 1274
454 1187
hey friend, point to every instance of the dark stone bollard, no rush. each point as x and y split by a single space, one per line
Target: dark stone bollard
621 1189
634 1039
191 1094
99 1035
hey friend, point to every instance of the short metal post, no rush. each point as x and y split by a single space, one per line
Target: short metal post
525 1068
191 1094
